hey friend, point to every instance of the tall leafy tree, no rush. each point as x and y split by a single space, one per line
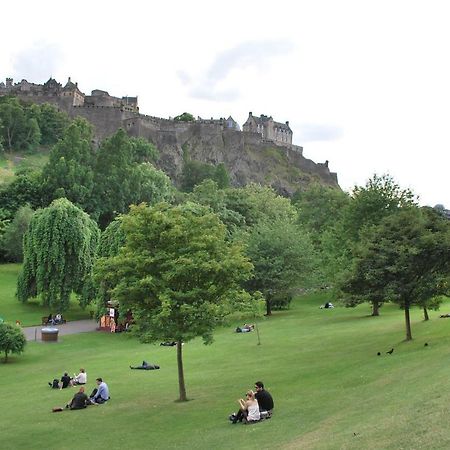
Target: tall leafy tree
177 273
405 259
59 250
52 123
19 130
121 180
284 258
69 171
12 339
368 206
13 236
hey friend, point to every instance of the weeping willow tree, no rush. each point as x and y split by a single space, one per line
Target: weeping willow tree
59 250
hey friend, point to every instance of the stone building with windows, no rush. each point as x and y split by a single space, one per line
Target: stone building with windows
269 129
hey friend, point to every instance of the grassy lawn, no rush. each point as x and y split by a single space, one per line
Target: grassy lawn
32 312
11 162
331 390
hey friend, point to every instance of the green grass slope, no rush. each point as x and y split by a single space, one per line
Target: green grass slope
32 312
331 390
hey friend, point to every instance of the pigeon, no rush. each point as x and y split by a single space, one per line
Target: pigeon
379 354
390 351
426 344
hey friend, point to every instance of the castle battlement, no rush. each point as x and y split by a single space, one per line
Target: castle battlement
107 112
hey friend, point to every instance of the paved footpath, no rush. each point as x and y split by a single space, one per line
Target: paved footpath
76 326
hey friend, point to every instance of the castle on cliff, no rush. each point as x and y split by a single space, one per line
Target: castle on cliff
108 113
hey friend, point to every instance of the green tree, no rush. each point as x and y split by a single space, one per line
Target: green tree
209 194
320 207
26 188
284 259
143 150
259 204
405 259
221 176
185 117
13 235
177 273
194 172
380 197
52 123
120 180
12 339
69 172
59 250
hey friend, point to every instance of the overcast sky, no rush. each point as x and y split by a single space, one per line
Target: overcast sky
364 84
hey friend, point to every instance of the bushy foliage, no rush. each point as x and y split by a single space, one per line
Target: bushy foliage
12 339
59 250
24 126
404 259
69 171
284 259
194 172
177 272
12 239
185 117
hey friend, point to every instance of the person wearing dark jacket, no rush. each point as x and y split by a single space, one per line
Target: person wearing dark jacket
65 381
265 400
80 400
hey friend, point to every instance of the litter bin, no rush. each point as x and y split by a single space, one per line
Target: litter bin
49 334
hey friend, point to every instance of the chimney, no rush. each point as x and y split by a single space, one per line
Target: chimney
9 82
250 114
287 122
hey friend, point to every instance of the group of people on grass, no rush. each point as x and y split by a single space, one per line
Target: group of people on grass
80 400
98 396
257 405
67 381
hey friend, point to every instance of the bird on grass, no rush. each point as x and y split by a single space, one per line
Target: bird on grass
379 354
390 351
426 344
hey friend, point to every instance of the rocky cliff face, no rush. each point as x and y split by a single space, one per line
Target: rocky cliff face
246 156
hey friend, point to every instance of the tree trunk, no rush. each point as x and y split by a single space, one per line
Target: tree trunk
268 308
425 313
181 384
408 324
375 308
257 332
6 356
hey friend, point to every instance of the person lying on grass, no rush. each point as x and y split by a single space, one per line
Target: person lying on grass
145 366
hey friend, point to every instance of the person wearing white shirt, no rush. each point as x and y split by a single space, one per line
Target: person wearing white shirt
81 378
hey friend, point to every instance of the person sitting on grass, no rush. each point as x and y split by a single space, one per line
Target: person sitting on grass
65 381
265 400
145 366
248 409
79 379
100 394
79 401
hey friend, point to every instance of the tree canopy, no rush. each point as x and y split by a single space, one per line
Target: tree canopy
405 259
12 339
178 274
59 250
284 259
